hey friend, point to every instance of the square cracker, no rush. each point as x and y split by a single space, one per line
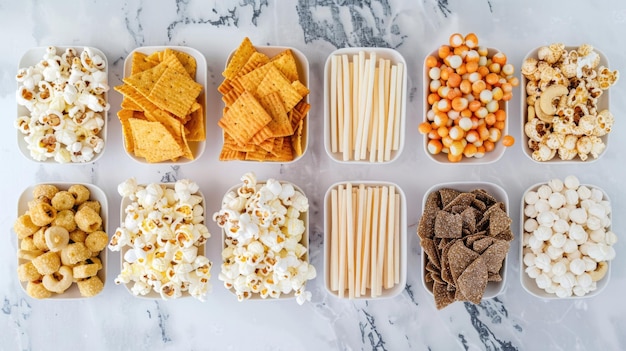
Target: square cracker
244 118
153 141
175 92
145 80
139 63
274 81
286 63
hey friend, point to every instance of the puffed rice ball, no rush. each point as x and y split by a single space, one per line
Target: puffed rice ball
62 200
90 287
80 193
47 263
36 290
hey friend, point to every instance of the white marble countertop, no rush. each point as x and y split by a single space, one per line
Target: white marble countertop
115 320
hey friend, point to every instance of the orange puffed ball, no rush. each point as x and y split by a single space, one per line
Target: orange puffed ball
425 128
508 140
431 61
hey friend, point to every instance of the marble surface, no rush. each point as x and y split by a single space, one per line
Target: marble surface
115 320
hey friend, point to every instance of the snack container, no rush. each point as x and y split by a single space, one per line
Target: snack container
304 216
399 256
529 284
603 102
201 249
489 157
493 289
95 194
32 57
333 131
197 147
302 64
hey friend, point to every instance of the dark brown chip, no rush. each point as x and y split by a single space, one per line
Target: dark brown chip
469 219
440 292
425 228
461 201
459 257
484 196
494 255
473 281
499 221
447 195
445 264
482 244
432 254
494 277
471 239
441 243
479 205
448 225
506 235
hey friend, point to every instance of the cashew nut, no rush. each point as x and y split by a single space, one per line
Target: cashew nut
52 282
541 114
547 96
600 271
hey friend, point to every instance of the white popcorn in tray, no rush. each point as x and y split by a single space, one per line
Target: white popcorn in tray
263 254
163 229
567 243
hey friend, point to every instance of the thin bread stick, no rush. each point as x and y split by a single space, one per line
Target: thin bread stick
398 109
391 221
334 241
333 103
382 238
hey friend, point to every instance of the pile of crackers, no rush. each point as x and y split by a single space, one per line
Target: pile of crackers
466 237
161 110
265 106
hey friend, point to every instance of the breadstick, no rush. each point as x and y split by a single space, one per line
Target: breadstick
350 239
359 239
398 108
365 277
382 239
342 241
396 242
374 243
392 113
334 241
333 103
390 238
367 114
347 104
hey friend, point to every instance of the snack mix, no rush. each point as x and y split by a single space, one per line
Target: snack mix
567 237
264 253
563 88
64 94
60 240
162 231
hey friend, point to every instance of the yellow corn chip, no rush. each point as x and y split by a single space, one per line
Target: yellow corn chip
239 58
139 63
128 104
145 80
300 88
286 63
251 81
187 61
196 126
230 155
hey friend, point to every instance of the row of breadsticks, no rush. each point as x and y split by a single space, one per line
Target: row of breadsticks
364 239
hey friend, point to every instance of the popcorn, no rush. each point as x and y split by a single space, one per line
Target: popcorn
566 248
263 254
163 229
63 97
563 113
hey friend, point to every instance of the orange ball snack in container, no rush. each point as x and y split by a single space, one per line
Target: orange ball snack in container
467 89
266 97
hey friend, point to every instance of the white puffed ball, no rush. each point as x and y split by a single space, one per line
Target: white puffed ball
584 280
529 259
586 204
577 266
579 291
554 252
584 248
577 233
556 185
584 192
533 272
594 223
542 205
530 225
573 254
525 238
563 212
551 289
568 280
560 226
571 182
598 235
571 197
610 238
543 281
596 195
546 218
530 211
558 240
543 262
598 252
590 264
544 191
597 210
531 197
578 215
543 233
611 253
556 200
563 292
535 244
559 268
